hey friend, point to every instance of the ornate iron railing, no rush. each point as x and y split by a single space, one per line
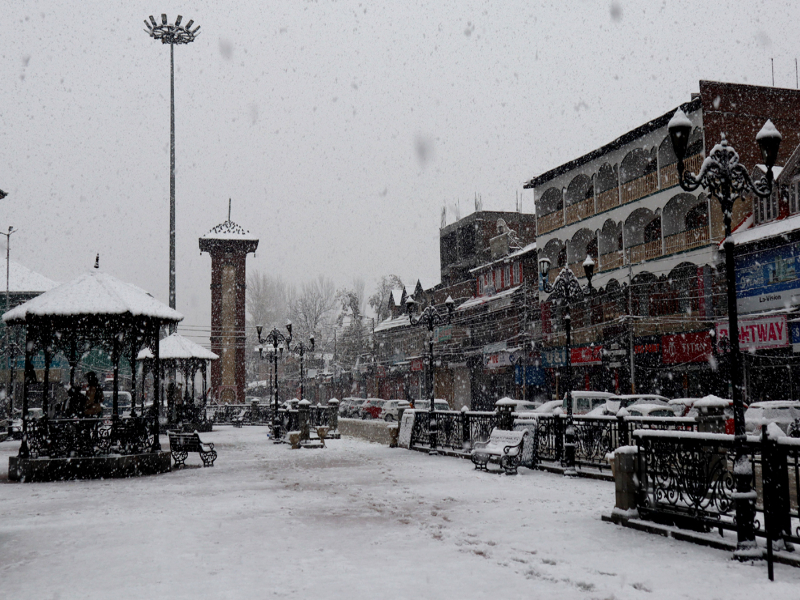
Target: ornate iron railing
76 438
550 437
224 414
456 430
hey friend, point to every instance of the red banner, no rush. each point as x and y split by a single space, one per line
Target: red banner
586 355
686 347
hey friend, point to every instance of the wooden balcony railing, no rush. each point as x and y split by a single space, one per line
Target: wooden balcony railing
549 222
669 174
607 200
610 261
639 187
686 240
581 210
645 251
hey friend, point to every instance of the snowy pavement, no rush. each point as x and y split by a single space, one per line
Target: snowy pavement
354 521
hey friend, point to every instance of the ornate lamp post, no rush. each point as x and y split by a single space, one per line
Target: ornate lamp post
277 340
171 34
566 287
430 318
726 179
300 349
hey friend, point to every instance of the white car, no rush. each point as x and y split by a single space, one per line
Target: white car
519 405
438 404
391 410
784 413
651 408
549 407
584 402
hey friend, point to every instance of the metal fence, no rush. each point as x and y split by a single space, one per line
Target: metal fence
594 436
73 438
687 479
225 414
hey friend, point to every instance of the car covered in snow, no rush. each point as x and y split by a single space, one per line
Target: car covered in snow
549 407
519 405
438 404
373 408
586 401
784 413
392 408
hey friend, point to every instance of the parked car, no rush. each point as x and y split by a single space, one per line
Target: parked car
373 408
123 403
651 408
549 407
438 404
346 405
354 410
520 405
784 413
584 402
391 410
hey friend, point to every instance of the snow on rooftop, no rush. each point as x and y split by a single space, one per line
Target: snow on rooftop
228 230
477 301
400 321
93 293
176 346
22 279
507 258
397 297
767 230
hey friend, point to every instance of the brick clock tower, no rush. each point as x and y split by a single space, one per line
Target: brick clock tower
228 245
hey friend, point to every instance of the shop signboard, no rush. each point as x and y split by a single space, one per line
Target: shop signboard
758 334
554 357
443 334
586 355
497 360
690 347
534 375
417 364
768 279
795 330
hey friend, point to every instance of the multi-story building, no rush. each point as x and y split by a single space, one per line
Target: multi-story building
659 282
484 353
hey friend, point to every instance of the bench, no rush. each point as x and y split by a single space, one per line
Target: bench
238 420
180 444
503 448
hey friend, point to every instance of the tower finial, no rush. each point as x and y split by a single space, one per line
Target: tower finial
97 261
229 209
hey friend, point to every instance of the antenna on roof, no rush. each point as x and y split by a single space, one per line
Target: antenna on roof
229 209
97 261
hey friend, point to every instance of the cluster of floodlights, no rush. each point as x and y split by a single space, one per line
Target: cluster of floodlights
170 33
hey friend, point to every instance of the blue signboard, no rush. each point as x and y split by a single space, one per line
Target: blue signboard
768 279
554 357
795 329
534 376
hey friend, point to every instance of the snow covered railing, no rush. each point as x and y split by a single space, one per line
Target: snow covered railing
687 478
81 438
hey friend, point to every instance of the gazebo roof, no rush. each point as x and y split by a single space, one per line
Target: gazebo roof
22 280
177 347
93 293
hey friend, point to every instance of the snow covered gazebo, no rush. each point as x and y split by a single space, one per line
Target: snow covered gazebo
178 353
95 310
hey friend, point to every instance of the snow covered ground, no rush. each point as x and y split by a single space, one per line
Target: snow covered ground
354 521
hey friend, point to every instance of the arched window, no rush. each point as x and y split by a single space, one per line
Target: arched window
652 231
697 216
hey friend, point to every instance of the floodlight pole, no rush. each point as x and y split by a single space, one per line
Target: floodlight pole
171 34
10 389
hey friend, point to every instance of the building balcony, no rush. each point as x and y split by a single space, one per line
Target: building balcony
548 223
669 174
607 200
643 252
686 240
580 210
639 187
610 261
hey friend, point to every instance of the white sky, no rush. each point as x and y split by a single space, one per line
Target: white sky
312 115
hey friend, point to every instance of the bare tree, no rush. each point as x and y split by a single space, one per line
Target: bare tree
312 309
379 301
268 300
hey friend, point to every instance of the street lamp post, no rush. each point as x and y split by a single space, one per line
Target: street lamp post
566 286
277 339
726 179
430 318
9 357
300 349
171 34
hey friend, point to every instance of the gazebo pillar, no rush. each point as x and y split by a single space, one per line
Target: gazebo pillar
46 383
156 389
115 356
24 451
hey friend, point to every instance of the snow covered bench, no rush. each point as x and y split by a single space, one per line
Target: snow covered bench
238 420
180 444
503 448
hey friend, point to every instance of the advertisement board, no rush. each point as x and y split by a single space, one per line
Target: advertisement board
768 279
758 334
587 355
690 347
554 357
